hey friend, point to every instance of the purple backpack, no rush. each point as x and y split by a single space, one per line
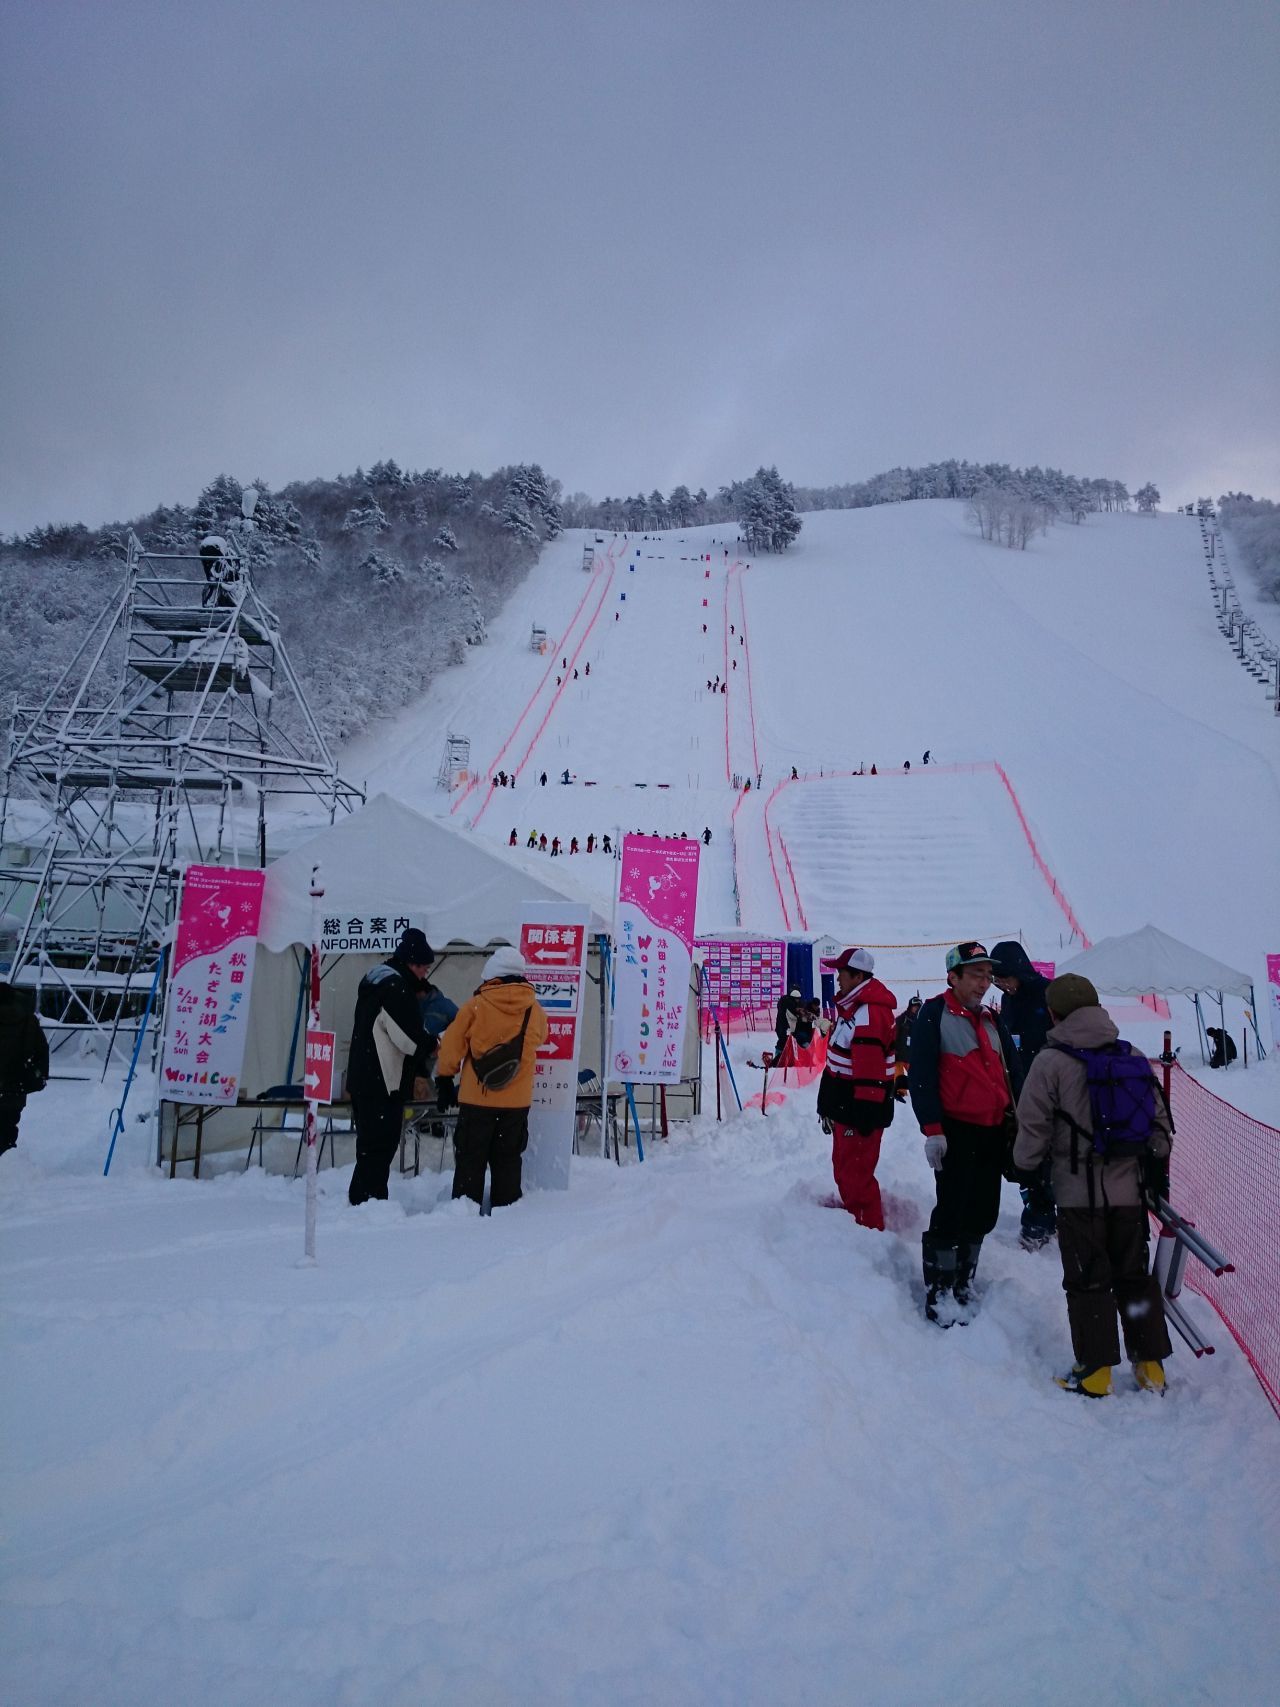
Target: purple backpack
1122 1099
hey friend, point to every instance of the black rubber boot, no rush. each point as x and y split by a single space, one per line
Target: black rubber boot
966 1267
939 1279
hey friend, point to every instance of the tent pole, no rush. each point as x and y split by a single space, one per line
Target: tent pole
1222 1021
1253 1023
1195 1000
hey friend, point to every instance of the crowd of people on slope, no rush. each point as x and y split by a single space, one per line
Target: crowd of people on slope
1043 1092
539 842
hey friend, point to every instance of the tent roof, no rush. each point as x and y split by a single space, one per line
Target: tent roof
1150 961
390 857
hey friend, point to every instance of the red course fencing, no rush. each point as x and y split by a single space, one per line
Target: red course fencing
1226 1178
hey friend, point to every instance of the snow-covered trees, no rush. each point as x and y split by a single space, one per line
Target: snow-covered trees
366 517
1147 498
765 509
1254 527
445 539
1008 516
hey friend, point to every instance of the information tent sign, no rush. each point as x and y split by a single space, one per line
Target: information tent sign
207 1004
553 943
657 904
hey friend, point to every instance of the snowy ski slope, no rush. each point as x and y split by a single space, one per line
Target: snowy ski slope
682 1433
1147 763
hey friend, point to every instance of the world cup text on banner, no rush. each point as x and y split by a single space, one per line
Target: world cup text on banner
657 903
318 1077
207 1004
1273 990
553 945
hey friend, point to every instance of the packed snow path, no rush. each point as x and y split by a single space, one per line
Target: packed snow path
681 1435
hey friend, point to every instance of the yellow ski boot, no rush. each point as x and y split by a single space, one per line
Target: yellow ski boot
1148 1372
1093 1383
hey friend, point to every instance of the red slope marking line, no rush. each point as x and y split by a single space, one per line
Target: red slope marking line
728 767
560 646
773 864
556 696
746 650
1041 866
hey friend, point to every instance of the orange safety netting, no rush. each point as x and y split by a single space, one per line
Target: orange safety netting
1226 1179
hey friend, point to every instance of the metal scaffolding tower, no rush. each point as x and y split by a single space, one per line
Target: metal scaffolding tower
455 762
178 716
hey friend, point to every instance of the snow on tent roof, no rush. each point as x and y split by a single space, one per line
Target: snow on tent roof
391 857
1150 961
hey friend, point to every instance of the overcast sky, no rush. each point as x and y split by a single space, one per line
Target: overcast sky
639 243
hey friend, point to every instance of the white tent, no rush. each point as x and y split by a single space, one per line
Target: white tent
391 856
1150 962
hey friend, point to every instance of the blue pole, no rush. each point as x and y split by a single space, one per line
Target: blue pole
117 1114
631 1098
721 1045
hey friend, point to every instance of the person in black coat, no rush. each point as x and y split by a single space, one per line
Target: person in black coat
387 1040
784 1020
1026 1016
24 1059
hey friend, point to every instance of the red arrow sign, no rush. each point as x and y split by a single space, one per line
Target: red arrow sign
318 1077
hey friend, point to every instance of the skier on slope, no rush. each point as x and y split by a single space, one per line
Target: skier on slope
855 1095
1025 1013
964 1078
706 836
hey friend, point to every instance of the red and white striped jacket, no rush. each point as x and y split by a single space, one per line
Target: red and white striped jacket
861 1045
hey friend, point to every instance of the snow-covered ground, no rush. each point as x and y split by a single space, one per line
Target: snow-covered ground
682 1434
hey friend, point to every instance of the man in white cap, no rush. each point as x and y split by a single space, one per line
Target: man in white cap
494 1040
855 1095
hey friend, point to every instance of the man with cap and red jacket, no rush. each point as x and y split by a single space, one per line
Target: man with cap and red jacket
855 1095
964 1079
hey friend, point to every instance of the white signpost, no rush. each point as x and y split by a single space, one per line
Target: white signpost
553 941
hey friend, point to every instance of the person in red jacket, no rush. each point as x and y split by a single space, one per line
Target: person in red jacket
964 1079
855 1095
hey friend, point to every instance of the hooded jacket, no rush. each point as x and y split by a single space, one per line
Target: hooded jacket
492 1016
24 1049
1057 1086
387 1033
1024 1011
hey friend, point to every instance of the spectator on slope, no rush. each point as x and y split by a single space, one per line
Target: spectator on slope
1102 1218
573 844
606 846
927 757
1223 1045
24 1058
387 1037
873 770
1026 1018
964 1080
855 1094
533 839
706 836
555 847
565 777
795 774
543 779
511 839
902 1046
809 1021
494 1041
542 842
591 842
906 765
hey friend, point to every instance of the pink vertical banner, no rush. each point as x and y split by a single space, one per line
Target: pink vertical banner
1045 968
657 904
207 1005
1273 991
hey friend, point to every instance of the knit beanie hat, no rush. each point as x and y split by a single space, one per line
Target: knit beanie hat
505 963
1068 993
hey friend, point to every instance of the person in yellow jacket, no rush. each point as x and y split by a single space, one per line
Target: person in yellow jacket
494 1042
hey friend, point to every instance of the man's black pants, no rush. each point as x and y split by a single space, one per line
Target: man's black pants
378 1121
494 1138
1105 1271
968 1184
11 1108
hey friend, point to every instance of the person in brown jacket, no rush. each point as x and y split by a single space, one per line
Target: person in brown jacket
1102 1218
493 1122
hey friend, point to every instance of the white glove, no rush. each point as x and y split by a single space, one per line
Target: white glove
935 1149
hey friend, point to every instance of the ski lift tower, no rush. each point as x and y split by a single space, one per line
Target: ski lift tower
179 717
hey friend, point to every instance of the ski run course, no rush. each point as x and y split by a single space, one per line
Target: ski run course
682 1434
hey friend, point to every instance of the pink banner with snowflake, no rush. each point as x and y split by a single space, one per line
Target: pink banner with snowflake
207 1004
657 907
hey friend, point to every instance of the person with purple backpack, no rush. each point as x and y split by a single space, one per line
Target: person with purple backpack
1092 1104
